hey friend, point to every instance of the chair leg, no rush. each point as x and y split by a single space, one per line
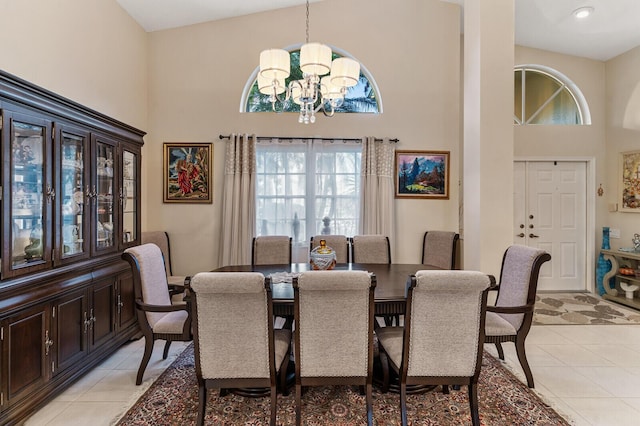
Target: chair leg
522 357
369 404
384 363
473 404
500 351
202 403
445 389
274 405
165 352
403 403
283 376
148 349
298 404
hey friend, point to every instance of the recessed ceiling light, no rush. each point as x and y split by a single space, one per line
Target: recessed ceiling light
583 12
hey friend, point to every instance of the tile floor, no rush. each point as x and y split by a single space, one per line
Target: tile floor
589 373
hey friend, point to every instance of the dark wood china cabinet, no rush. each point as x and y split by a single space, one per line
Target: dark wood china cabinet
70 204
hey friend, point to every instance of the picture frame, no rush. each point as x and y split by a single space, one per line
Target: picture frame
422 174
187 172
629 193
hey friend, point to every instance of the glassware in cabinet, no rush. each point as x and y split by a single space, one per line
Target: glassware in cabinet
27 187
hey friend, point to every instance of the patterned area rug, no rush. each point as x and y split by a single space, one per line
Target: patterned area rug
503 400
580 308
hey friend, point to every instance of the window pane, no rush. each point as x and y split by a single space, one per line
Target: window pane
561 110
517 95
288 204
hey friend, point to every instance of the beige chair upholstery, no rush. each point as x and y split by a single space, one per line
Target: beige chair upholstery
510 319
370 249
161 239
235 343
439 249
329 351
339 243
442 340
158 318
271 250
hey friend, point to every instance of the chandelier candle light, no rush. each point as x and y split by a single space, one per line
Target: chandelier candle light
315 61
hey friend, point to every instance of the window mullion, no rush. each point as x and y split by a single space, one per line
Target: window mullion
310 182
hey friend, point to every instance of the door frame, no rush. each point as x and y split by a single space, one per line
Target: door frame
590 198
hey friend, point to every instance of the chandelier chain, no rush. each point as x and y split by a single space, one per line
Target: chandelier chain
307 21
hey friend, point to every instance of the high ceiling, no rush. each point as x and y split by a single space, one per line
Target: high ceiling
612 29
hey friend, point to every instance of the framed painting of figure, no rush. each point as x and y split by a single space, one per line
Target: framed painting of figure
187 172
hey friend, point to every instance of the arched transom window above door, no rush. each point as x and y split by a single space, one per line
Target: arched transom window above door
364 97
543 95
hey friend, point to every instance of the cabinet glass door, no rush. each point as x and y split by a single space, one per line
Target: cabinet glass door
129 197
103 191
71 188
29 193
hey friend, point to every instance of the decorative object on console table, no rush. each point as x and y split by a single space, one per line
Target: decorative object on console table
604 265
187 172
422 174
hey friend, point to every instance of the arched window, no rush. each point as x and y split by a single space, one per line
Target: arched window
363 97
546 96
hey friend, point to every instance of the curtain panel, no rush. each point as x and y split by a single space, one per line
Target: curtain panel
376 200
238 203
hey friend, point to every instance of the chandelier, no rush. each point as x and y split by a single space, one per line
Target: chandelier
313 92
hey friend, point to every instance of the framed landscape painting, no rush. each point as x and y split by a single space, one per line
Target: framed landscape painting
422 174
187 172
630 181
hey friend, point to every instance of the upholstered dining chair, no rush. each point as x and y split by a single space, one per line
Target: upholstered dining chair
158 318
329 351
271 250
161 239
509 320
235 343
442 339
339 243
439 249
370 249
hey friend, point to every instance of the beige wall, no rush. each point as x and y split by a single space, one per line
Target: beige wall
91 52
196 77
623 82
190 80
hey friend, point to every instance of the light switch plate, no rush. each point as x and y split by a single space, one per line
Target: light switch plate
614 233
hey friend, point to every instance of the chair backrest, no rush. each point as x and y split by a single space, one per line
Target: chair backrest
439 249
339 243
370 249
444 324
333 312
161 239
271 250
149 278
233 329
519 280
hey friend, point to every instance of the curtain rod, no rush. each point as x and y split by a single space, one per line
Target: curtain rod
311 137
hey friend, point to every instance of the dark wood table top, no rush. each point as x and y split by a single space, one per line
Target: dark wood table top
391 279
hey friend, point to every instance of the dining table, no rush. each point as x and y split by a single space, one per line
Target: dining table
390 292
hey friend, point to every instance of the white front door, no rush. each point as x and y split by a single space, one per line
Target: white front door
550 212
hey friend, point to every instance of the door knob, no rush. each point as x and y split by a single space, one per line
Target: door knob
521 235
533 236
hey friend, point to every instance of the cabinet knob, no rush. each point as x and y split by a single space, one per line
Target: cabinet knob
47 342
